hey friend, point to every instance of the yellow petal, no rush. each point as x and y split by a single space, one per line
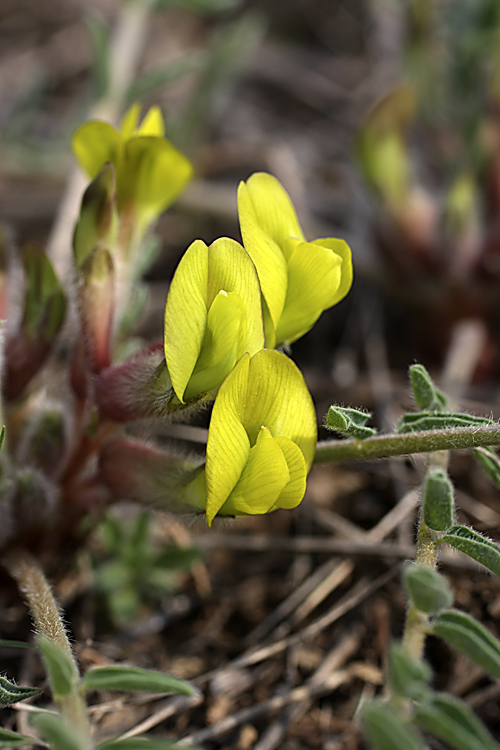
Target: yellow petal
265 253
130 121
230 268
228 445
186 315
342 249
151 175
314 275
295 489
278 398
273 208
222 347
153 123
262 480
94 143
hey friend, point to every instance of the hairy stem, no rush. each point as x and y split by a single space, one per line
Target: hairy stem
382 446
48 622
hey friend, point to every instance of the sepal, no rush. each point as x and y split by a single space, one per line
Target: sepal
138 388
134 471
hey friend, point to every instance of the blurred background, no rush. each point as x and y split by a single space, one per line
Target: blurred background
382 120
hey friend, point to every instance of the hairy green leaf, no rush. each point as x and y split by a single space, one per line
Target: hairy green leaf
422 421
452 721
386 730
10 693
138 743
57 733
474 545
348 421
490 461
438 500
60 667
471 638
408 677
134 679
13 739
427 396
426 588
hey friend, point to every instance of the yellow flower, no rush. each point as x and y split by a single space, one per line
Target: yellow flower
213 316
299 279
150 172
261 440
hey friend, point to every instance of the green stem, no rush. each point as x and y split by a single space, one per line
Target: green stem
45 612
411 442
416 622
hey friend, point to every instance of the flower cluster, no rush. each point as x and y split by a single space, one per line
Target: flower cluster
228 307
69 452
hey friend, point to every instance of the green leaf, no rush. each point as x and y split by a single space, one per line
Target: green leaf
138 743
134 679
427 396
175 558
426 588
438 500
13 739
386 730
490 461
2 436
100 38
57 733
7 643
45 303
425 421
471 638
202 6
156 79
452 721
408 677
474 545
60 667
350 422
10 693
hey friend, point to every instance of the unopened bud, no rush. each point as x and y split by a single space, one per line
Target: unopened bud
427 396
138 388
438 501
144 474
97 223
97 305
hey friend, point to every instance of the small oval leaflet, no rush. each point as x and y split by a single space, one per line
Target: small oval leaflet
58 734
471 638
13 739
10 693
474 545
134 679
452 721
386 730
427 589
